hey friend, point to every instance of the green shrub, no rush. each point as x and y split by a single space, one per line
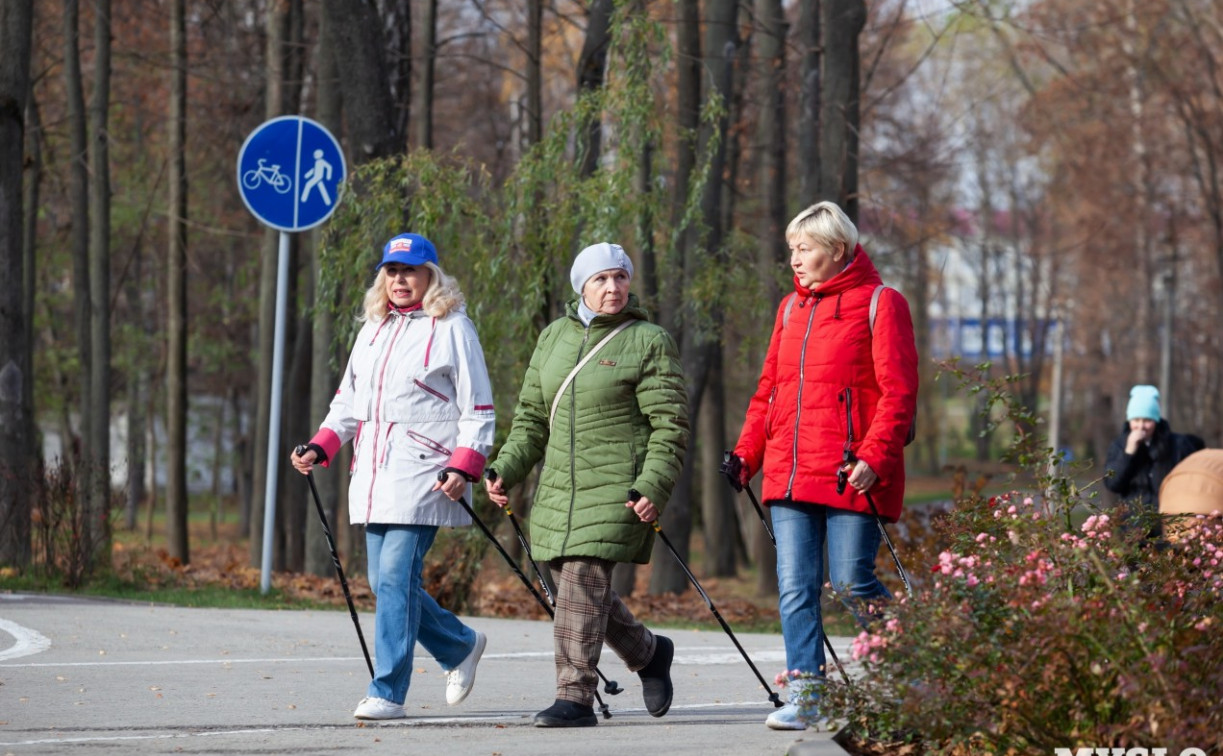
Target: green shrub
1037 630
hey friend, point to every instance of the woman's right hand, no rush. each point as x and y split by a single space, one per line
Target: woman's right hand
303 462
496 492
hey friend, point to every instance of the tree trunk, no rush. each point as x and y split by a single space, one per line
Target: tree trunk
592 71
535 88
688 120
323 378
17 448
277 32
176 294
29 242
137 389
79 194
699 347
810 93
424 92
771 34
842 22
291 505
718 518
368 104
99 285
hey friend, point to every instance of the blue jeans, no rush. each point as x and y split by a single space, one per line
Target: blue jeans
802 530
406 614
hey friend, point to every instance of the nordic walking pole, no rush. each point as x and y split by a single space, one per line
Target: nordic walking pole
732 477
904 576
611 687
634 495
335 559
827 643
517 570
848 458
726 457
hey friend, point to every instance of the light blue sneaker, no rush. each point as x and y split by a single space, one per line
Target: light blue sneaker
786 718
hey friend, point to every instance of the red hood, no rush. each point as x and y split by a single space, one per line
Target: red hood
860 271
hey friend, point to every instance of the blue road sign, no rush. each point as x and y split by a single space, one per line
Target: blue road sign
289 173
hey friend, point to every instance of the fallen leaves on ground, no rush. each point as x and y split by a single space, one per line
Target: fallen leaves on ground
497 591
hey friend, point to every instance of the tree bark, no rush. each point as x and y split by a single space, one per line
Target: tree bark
809 101
368 105
99 285
17 448
137 389
424 92
323 377
718 519
276 104
83 311
534 115
842 23
176 294
699 347
770 38
592 72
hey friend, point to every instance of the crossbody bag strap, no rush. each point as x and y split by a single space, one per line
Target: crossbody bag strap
556 401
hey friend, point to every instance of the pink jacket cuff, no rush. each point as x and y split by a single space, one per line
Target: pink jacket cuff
470 461
330 443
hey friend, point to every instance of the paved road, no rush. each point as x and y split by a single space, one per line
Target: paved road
104 677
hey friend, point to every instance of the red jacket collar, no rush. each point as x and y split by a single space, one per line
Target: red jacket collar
859 271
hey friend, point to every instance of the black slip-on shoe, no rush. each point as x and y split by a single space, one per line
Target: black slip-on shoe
656 677
566 714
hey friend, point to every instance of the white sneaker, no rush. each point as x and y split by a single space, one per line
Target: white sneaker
786 718
379 708
460 679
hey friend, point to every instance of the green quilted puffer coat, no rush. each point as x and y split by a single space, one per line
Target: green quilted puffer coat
622 423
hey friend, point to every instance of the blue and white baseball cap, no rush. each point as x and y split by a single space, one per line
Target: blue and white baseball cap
408 249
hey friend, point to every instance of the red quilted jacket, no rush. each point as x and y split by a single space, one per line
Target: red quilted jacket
797 424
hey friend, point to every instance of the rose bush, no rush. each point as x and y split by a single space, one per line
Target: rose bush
1044 624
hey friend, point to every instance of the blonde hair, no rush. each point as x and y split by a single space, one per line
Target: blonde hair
441 298
826 224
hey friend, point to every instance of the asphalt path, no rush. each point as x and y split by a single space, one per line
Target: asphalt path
81 676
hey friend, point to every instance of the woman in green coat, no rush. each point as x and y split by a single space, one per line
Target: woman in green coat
603 405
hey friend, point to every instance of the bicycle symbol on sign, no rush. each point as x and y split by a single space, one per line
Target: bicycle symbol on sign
270 174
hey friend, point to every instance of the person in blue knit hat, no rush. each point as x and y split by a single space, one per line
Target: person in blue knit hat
1143 454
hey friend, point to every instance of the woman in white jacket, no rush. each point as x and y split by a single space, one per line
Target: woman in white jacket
415 400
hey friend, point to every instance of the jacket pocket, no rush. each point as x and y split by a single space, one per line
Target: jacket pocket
432 391
770 413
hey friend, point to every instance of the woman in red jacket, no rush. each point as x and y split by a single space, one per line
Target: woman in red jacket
837 393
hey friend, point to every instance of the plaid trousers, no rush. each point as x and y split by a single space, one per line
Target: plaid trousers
588 613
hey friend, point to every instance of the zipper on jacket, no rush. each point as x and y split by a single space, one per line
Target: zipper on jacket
573 442
798 410
375 408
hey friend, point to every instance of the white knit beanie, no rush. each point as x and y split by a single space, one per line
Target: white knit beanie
595 259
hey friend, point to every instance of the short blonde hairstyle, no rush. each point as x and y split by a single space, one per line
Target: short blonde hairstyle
441 298
826 224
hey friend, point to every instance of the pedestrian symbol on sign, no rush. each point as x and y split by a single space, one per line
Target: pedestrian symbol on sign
317 175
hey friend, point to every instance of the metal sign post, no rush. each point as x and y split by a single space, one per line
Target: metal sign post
289 174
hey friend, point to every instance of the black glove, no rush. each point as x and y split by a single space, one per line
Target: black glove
320 456
732 467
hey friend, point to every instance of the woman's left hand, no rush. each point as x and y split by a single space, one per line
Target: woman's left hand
644 508
862 477
454 486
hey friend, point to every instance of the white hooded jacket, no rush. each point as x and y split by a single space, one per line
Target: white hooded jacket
415 399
